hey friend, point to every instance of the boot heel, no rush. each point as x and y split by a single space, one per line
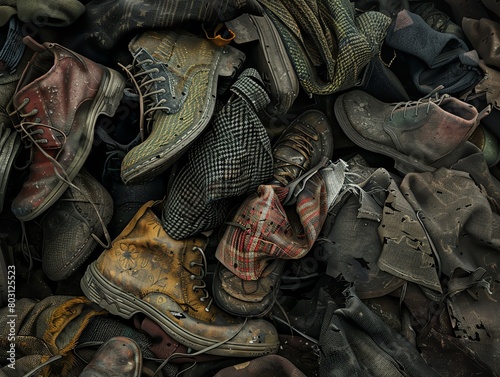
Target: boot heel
101 293
112 92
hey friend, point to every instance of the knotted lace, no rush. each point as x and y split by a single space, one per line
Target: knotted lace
299 139
144 85
427 101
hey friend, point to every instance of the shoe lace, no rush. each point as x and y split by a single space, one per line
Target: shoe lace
31 138
201 278
144 85
30 130
114 154
197 353
298 140
431 98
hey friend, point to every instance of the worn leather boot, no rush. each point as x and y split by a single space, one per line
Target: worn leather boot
419 135
118 357
146 271
58 99
300 148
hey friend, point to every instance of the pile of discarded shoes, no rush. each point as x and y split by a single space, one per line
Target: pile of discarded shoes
258 188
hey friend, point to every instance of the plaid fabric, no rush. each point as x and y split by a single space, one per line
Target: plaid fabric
264 229
327 34
231 159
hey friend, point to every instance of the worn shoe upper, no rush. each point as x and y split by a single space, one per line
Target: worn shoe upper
302 145
118 357
70 225
149 272
58 99
176 74
419 135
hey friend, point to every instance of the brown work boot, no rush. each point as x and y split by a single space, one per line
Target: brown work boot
146 271
58 99
301 146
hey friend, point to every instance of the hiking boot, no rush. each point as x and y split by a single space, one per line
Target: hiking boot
301 146
176 73
248 298
118 357
436 19
231 159
419 135
72 225
58 99
306 142
146 271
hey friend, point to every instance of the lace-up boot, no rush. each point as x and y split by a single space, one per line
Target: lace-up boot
146 271
176 74
58 99
419 135
301 146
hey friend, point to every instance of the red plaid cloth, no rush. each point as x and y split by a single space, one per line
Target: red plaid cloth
264 229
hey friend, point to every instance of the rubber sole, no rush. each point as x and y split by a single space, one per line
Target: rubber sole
118 302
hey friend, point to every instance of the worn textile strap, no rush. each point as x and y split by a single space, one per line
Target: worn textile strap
13 48
327 35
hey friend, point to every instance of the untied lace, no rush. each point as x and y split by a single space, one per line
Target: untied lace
144 84
428 99
30 138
